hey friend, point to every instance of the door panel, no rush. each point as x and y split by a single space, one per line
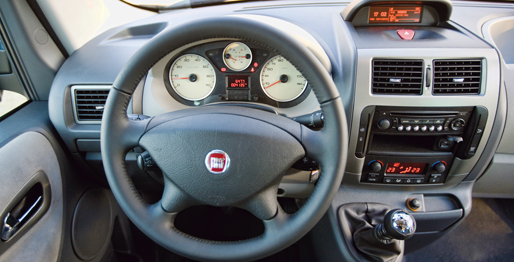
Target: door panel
21 160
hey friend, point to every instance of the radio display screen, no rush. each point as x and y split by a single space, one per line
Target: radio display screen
405 168
394 14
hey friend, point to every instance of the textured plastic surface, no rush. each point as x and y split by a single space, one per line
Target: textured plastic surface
92 224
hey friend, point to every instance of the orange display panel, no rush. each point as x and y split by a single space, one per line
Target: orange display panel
394 14
405 168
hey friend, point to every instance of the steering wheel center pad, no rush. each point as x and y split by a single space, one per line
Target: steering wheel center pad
260 153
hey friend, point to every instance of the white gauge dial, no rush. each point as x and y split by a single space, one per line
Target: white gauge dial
192 77
281 81
237 56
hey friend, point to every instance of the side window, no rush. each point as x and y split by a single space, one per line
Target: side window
9 84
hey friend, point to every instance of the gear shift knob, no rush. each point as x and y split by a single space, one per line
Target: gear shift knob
398 224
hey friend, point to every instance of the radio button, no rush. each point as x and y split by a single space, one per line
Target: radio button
388 180
409 181
424 128
408 128
439 128
427 121
419 180
431 128
439 121
398 180
415 128
400 128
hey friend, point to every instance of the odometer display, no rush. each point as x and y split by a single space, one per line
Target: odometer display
405 168
394 14
237 81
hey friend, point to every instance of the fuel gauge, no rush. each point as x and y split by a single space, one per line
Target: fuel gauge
237 56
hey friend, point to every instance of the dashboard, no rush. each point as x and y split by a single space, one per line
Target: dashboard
423 87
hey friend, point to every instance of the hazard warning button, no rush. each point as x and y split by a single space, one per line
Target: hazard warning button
406 34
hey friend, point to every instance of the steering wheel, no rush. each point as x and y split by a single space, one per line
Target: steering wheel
193 146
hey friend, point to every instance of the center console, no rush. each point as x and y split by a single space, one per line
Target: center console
412 145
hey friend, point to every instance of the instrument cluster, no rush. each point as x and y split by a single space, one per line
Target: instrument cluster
234 71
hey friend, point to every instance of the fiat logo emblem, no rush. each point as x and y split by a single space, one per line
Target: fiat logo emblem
217 161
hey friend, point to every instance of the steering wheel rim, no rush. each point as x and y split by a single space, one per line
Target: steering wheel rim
328 146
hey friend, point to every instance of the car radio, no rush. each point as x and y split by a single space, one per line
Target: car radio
412 145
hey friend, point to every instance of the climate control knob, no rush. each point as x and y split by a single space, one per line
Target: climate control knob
375 166
384 123
439 167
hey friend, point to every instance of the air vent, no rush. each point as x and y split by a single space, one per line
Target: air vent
397 77
89 102
457 77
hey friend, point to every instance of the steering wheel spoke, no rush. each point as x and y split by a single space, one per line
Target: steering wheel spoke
174 199
264 205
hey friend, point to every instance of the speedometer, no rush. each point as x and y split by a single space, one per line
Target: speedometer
192 77
281 81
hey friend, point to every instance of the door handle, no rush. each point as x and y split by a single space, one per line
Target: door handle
12 224
22 212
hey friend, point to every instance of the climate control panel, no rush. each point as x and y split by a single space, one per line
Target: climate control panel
406 170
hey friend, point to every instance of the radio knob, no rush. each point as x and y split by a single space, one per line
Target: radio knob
384 123
439 167
424 128
408 128
431 128
439 128
400 128
375 166
415 128
457 124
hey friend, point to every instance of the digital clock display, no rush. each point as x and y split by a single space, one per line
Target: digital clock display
394 14
237 81
405 168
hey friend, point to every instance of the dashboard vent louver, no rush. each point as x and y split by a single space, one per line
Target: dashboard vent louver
457 77
89 103
397 77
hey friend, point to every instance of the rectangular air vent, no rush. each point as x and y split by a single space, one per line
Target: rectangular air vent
397 77
89 102
457 77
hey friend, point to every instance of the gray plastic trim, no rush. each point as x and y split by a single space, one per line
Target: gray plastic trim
488 98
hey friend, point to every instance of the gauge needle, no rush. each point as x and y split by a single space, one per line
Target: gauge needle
174 78
273 84
229 56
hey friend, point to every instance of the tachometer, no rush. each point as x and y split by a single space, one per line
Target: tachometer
237 56
192 77
281 81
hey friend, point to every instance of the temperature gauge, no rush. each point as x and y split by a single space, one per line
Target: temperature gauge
237 56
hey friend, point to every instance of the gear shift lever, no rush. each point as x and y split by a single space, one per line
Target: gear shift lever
398 224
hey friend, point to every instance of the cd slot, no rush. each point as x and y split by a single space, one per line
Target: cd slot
424 113
408 145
